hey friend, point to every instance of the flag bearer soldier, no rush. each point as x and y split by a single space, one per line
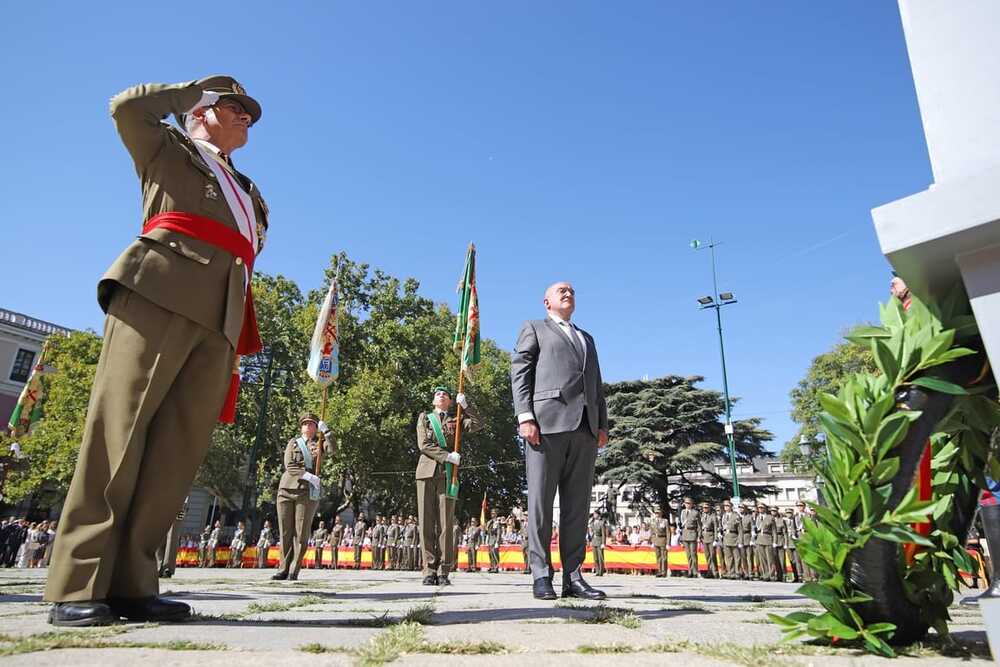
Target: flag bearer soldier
690 530
473 537
359 539
780 544
765 542
749 538
264 543
436 510
732 540
336 537
598 533
708 534
661 542
319 537
494 535
524 545
299 491
178 312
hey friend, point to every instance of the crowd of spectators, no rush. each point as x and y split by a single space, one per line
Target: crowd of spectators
26 543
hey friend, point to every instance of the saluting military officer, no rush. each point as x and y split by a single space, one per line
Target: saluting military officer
598 534
359 539
709 534
319 538
178 312
732 540
436 510
336 537
690 528
299 491
765 542
660 538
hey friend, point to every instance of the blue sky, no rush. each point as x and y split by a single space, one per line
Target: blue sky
587 141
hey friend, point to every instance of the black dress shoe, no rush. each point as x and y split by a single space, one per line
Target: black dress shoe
281 576
293 577
431 580
443 580
542 589
153 608
81 614
581 589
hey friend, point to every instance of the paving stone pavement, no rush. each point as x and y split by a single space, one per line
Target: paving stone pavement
353 617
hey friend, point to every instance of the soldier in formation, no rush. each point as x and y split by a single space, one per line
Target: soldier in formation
319 538
392 533
494 536
359 539
708 535
764 523
213 543
237 546
336 537
749 546
473 538
660 537
264 543
690 529
598 534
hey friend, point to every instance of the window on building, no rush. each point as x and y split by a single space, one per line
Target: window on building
22 365
775 468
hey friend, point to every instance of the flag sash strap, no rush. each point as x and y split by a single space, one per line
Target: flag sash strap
451 490
219 235
308 461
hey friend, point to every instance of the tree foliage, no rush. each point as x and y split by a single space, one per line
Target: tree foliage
826 375
662 430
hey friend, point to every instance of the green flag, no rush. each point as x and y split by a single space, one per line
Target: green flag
29 405
466 341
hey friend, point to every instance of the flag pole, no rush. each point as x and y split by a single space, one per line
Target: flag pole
461 387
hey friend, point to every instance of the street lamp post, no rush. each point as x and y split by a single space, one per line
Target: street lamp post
716 301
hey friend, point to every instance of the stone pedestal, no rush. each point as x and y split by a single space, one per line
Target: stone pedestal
950 233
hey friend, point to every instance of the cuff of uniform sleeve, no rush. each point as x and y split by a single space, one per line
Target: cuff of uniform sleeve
526 417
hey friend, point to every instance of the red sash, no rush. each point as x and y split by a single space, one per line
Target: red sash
225 238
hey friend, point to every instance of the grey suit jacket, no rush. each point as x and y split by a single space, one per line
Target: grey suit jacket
550 380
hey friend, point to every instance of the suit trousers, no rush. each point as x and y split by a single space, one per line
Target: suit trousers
731 555
563 462
598 550
661 558
691 549
295 516
159 387
166 555
437 525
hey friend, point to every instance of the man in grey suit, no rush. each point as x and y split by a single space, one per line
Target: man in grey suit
563 419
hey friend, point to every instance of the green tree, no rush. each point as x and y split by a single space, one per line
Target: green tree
50 450
662 430
826 375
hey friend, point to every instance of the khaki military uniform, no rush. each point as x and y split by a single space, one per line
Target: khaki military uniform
456 540
435 510
661 545
709 535
359 540
748 547
524 546
336 537
732 540
392 544
494 535
409 535
263 544
780 543
175 309
295 508
765 546
166 555
213 544
319 538
379 541
473 537
598 534
690 529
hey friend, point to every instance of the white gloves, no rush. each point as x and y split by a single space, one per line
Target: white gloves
461 400
454 457
311 478
322 426
208 98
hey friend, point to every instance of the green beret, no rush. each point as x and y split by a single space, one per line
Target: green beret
443 388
